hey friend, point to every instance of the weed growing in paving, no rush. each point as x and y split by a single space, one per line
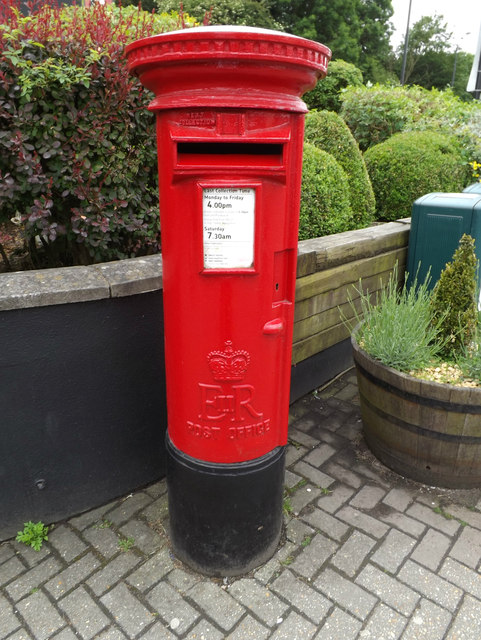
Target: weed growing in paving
33 534
449 516
126 543
287 506
289 491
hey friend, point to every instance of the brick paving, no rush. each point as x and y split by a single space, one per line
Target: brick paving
366 554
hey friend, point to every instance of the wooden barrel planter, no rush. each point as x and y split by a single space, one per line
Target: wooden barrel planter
426 431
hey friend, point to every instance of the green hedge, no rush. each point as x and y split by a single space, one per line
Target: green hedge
325 206
411 164
328 131
376 113
77 151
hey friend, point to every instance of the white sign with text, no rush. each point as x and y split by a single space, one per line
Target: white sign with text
228 223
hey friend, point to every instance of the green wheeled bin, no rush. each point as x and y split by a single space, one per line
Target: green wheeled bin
437 223
473 188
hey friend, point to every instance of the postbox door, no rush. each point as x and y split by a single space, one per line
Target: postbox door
230 247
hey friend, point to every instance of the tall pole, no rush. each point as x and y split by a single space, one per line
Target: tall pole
454 66
406 42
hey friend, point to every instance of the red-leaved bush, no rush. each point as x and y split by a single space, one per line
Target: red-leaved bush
77 144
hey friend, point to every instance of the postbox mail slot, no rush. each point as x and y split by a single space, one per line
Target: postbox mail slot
230 153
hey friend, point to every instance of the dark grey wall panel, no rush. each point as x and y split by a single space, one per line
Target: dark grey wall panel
82 406
320 368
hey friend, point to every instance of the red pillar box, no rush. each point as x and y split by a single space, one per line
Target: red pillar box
230 125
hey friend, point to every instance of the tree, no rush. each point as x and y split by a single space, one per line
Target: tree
437 69
335 23
461 68
375 36
254 13
428 36
357 31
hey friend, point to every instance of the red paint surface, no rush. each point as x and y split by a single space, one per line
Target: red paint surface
229 118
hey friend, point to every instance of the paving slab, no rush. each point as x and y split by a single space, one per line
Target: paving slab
365 555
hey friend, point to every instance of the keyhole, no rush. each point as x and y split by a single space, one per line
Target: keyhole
277 286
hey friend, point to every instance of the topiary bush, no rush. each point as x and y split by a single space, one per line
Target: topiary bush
325 206
328 91
77 145
454 304
411 164
328 131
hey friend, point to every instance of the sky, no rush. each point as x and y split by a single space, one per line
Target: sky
462 17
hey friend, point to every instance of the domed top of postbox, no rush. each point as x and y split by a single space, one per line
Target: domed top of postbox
223 66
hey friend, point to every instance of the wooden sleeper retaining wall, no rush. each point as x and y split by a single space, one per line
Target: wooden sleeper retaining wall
328 273
82 397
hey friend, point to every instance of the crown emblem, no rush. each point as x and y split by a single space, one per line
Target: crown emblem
228 364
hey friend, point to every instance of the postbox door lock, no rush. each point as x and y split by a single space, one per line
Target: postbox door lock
274 327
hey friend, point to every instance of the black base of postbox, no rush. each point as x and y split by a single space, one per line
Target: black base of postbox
225 519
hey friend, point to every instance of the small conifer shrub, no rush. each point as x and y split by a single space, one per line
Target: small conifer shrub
454 299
